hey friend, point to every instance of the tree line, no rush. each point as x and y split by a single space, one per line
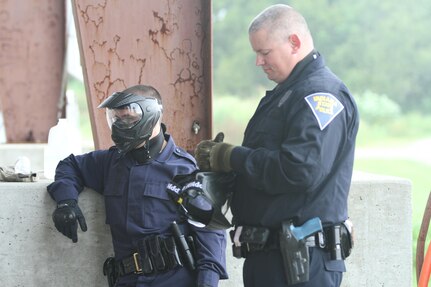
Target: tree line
379 47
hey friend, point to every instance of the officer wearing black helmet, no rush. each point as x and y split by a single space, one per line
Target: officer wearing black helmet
153 244
294 166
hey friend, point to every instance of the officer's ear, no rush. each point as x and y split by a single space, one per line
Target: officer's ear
294 42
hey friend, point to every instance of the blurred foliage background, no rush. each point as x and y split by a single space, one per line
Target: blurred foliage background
376 46
381 50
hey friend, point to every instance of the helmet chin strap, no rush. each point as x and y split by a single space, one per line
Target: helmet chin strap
150 149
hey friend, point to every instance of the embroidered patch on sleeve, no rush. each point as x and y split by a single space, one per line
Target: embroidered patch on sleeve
325 107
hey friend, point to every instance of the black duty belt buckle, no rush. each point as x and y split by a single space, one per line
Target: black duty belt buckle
137 261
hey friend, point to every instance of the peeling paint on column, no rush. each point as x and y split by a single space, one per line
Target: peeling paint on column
163 43
32 51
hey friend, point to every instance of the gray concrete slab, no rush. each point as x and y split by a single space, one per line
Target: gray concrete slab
33 253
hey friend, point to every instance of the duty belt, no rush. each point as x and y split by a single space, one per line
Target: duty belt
249 239
315 240
154 255
129 265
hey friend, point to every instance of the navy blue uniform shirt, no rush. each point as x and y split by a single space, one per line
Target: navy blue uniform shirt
137 203
296 158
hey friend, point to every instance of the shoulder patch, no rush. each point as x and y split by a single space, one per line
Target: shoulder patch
325 107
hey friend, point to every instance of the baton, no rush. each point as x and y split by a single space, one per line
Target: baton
184 247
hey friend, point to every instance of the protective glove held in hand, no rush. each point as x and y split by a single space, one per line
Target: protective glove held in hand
220 157
202 152
65 218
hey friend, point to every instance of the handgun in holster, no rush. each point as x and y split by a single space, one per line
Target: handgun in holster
296 259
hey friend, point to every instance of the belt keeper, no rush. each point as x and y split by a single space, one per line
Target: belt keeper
321 239
138 268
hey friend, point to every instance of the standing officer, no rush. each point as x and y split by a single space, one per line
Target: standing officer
295 163
133 176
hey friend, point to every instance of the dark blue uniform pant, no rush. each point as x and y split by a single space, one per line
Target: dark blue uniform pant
180 277
266 269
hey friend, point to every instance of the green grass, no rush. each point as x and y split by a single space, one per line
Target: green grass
416 172
395 132
231 115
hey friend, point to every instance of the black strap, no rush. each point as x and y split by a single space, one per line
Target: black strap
128 265
154 255
315 240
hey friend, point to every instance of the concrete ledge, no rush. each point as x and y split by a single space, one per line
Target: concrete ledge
381 210
33 253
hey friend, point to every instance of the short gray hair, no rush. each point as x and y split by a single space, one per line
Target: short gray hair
145 91
281 21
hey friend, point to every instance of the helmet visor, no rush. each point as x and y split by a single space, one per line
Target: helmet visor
124 117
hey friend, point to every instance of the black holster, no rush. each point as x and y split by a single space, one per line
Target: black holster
296 259
110 271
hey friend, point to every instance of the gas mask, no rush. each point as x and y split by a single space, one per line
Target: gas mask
132 119
201 197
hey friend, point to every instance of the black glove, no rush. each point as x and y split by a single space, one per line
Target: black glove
65 216
214 155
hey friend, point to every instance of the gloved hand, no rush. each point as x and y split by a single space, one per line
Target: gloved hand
214 155
65 216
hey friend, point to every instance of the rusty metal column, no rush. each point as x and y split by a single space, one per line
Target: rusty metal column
163 43
32 54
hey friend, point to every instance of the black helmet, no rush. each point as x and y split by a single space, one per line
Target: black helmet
201 197
131 118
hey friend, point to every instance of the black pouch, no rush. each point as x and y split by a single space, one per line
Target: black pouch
339 240
143 250
236 250
346 238
191 242
170 253
154 243
333 242
251 239
258 236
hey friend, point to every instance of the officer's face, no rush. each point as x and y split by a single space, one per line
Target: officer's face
276 57
125 116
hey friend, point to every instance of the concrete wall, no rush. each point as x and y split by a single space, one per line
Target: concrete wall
33 253
381 209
